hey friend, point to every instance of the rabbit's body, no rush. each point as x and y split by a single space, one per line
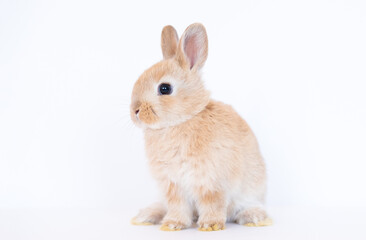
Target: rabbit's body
202 153
208 153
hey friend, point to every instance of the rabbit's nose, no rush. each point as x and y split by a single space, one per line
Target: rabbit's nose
137 111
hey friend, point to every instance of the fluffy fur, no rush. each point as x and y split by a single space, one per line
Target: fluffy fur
202 153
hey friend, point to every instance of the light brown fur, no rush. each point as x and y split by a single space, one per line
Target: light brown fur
169 40
202 153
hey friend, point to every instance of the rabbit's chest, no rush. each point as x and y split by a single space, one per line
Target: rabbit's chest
176 160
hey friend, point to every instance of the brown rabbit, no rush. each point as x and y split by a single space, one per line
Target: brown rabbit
202 153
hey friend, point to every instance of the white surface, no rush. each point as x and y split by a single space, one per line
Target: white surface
295 70
289 223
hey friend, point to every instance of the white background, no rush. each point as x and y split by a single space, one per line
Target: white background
72 164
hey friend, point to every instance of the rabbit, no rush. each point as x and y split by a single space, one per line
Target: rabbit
203 155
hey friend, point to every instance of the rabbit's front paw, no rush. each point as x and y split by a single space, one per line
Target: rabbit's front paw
170 225
214 225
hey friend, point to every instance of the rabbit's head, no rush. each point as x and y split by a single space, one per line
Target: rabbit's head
171 91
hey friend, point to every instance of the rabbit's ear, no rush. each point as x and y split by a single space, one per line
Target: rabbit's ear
193 47
169 42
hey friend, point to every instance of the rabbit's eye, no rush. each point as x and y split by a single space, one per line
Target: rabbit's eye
165 89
